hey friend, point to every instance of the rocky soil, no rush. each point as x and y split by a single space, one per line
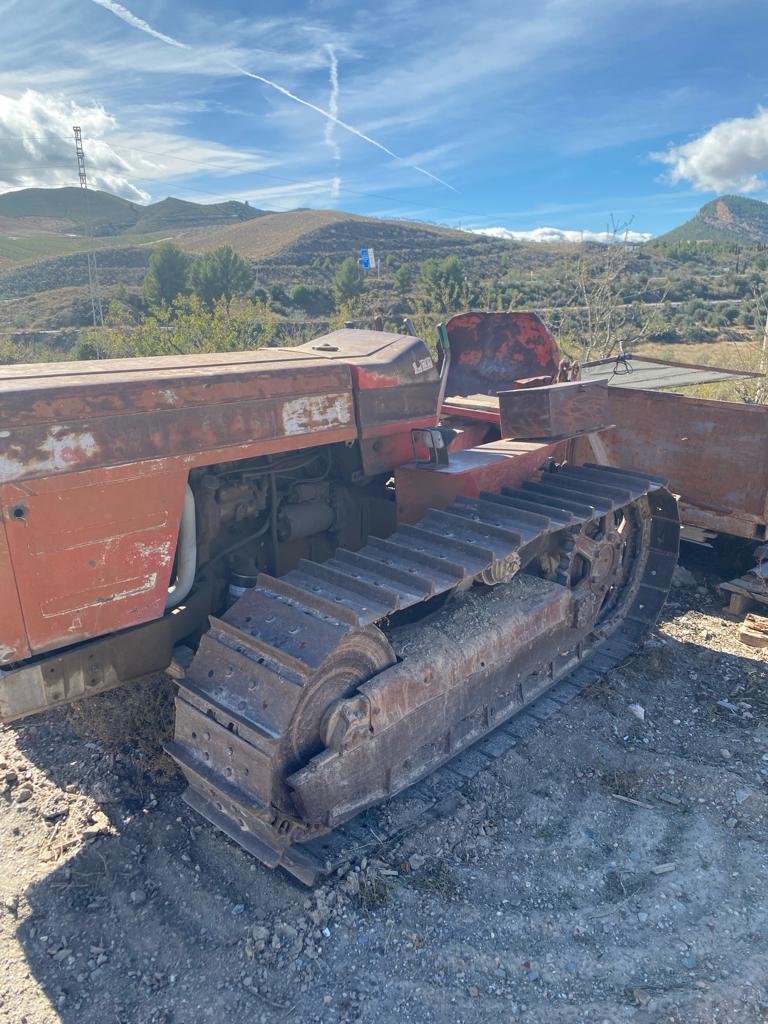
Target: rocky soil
610 868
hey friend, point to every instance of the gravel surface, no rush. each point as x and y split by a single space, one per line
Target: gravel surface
610 868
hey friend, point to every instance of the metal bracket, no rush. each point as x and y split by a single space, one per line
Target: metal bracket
434 440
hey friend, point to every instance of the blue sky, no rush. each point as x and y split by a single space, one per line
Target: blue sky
557 113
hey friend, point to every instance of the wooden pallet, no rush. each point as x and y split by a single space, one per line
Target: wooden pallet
745 591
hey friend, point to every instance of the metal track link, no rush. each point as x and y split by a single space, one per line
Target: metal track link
249 709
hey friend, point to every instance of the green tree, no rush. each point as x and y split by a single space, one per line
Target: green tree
444 282
403 280
311 299
220 275
167 274
349 280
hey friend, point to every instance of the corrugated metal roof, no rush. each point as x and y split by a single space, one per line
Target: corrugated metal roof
648 374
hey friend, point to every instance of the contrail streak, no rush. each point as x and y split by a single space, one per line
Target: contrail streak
333 104
343 124
131 19
126 15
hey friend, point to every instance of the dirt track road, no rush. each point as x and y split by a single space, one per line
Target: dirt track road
607 869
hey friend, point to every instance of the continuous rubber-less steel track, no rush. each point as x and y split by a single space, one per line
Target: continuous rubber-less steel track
300 708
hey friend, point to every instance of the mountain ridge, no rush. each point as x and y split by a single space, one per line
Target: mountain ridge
112 215
725 219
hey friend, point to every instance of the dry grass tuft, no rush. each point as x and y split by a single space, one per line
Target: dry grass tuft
133 721
440 881
375 890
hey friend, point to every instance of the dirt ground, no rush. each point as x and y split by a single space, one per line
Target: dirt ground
607 869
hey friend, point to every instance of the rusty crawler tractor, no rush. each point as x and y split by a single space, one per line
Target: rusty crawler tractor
363 591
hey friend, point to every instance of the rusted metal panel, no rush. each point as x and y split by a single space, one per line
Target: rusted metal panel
394 376
92 552
52 680
490 351
555 411
482 408
13 634
488 467
714 454
108 423
60 418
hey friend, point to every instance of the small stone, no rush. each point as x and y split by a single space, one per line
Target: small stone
638 711
726 754
23 795
742 795
534 975
474 991
682 577
327 933
731 822
640 997
642 917
663 869
137 897
238 909
99 823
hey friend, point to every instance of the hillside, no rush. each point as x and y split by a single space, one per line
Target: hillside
689 293
63 210
328 233
727 219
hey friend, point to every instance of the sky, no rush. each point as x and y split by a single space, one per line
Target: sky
524 118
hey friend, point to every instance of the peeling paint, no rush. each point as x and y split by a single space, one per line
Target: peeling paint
61 450
161 551
306 415
148 583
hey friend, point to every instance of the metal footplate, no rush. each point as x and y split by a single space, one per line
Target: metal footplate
310 699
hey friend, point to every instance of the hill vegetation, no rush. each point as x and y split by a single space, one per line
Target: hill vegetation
285 277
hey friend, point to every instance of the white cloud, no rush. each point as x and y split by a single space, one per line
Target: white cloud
37 149
729 157
560 235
